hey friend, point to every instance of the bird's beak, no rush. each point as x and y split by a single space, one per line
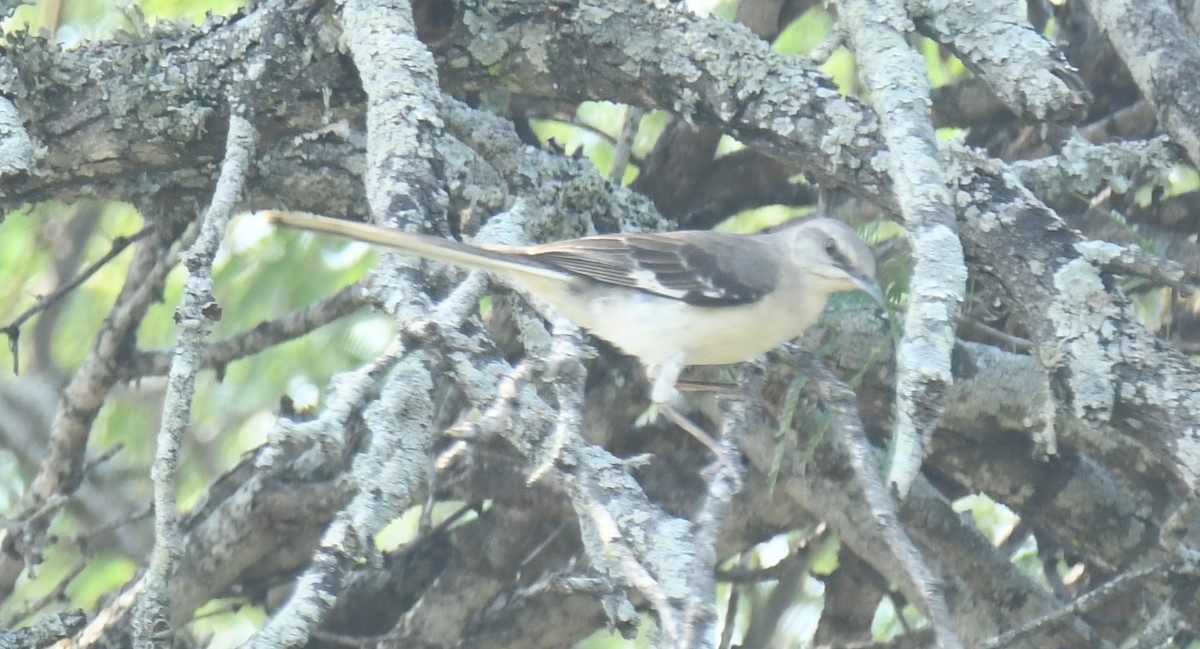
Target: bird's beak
869 286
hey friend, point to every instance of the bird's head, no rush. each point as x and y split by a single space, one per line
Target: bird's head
833 252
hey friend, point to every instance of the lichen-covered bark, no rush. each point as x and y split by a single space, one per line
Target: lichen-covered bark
1085 425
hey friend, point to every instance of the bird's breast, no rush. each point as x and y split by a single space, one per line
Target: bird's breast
655 328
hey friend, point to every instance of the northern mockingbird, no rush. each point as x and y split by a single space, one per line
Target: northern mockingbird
671 299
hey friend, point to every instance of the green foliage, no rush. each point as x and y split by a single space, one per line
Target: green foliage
825 556
943 67
408 526
226 623
805 33
22 260
189 10
1155 305
803 36
594 130
101 575
759 218
82 20
610 639
1182 179
256 280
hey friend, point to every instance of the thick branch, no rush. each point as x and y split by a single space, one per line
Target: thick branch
894 75
1163 58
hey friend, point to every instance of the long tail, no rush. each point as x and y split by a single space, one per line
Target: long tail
446 250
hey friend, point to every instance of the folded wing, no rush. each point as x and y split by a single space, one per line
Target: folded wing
698 268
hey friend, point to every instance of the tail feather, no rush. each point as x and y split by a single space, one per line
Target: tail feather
430 247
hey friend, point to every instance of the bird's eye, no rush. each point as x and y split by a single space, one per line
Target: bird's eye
830 247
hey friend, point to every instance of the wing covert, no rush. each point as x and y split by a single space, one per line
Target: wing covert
700 268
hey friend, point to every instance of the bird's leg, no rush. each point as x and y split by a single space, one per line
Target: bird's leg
664 390
665 377
668 385
689 426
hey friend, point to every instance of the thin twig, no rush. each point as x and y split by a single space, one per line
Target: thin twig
624 145
1088 602
84 541
13 329
263 336
196 315
1014 343
434 530
801 553
731 608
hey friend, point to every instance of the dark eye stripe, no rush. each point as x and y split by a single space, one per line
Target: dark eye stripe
837 255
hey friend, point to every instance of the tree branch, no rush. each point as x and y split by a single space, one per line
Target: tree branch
195 316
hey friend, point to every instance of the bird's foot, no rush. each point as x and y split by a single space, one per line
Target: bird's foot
648 416
716 388
675 417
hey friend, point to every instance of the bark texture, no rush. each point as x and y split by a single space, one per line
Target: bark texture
1016 361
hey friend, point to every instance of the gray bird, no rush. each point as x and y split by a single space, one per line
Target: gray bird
671 299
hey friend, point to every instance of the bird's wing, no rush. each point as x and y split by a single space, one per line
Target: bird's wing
700 268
